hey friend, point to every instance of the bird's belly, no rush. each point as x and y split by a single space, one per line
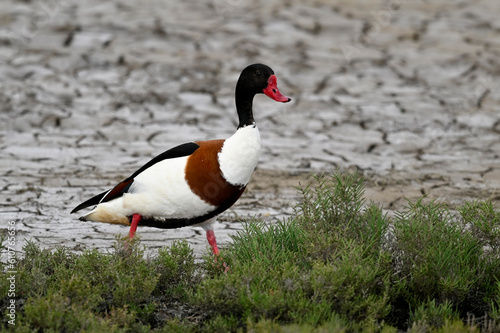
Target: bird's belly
171 222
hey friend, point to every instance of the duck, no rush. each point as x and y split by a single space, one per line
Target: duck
192 183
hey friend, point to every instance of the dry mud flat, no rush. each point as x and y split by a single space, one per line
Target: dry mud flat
406 91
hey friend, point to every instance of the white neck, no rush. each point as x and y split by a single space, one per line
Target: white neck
239 155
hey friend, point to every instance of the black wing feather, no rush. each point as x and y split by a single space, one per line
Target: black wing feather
91 202
185 149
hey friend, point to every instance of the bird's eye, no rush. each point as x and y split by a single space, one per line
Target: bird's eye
258 73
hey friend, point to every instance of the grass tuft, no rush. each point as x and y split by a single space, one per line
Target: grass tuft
268 245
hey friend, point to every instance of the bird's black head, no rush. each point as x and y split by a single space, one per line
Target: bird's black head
255 79
258 79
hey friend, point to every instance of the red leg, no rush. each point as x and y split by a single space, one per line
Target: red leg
213 244
136 218
212 241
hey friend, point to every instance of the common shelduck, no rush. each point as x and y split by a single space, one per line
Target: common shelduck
192 183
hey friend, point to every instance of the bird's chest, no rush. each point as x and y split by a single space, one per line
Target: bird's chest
239 155
205 178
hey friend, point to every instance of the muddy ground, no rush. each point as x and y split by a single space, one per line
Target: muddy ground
405 91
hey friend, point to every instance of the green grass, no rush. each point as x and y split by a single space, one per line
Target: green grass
339 264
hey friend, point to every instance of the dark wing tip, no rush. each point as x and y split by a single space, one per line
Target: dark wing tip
79 207
91 202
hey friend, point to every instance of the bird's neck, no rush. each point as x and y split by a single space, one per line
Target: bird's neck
244 104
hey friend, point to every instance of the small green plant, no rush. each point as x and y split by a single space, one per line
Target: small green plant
176 269
439 255
446 259
267 244
335 211
432 314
